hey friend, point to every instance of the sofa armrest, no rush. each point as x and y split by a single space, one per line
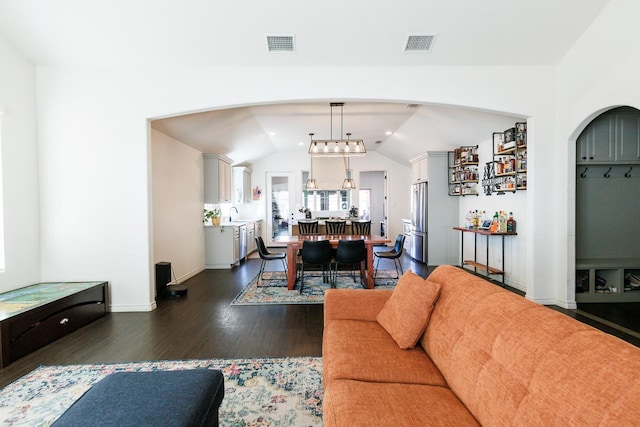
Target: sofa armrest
355 304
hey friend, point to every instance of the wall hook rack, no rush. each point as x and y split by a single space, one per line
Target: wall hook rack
628 174
584 173
607 174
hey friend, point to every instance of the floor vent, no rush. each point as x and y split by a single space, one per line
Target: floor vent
281 43
419 43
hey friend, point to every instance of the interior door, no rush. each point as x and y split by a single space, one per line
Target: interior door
373 187
279 203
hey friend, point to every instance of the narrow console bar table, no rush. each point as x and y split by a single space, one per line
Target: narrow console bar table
490 271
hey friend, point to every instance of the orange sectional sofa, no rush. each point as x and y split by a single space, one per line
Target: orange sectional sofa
486 357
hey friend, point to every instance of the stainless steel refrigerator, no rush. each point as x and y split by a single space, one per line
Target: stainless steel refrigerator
418 232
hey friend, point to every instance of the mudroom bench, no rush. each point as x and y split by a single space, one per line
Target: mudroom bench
36 315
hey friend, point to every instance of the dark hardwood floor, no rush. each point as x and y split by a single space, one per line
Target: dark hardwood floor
200 325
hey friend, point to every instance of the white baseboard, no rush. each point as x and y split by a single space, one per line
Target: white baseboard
132 308
187 276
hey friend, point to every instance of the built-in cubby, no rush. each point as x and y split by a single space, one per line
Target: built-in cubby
608 280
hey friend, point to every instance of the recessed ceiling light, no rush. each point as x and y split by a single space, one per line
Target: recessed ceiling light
388 132
272 134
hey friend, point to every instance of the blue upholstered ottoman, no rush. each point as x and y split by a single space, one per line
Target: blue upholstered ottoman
155 398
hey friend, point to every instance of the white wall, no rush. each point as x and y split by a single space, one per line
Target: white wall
94 141
19 169
599 73
177 189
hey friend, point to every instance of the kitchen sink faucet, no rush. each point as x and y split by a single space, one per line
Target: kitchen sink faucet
236 209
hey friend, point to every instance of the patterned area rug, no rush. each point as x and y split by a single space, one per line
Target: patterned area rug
274 290
257 392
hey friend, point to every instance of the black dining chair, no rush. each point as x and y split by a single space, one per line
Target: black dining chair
316 252
266 256
352 253
307 227
361 228
393 254
336 227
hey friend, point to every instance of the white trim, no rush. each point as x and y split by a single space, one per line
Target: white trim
187 276
124 308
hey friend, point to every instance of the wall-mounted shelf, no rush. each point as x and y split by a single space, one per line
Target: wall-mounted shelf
507 171
463 171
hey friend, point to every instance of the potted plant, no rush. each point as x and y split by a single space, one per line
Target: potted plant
213 216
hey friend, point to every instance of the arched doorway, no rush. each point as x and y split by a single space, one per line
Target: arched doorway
607 203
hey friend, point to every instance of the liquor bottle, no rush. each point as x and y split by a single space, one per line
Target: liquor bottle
502 222
511 224
494 223
469 220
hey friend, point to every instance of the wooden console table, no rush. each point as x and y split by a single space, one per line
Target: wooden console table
490 271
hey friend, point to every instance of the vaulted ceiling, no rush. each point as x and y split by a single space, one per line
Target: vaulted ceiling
328 33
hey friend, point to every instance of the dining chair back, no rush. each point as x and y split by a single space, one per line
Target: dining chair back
393 254
361 227
266 256
352 253
336 227
316 252
307 227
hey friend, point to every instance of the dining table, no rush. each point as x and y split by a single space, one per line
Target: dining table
294 244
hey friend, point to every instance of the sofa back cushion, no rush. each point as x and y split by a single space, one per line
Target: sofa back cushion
406 313
514 362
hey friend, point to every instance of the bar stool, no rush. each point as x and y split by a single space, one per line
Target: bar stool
361 227
307 227
336 227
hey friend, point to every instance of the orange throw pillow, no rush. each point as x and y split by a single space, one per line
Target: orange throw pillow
406 313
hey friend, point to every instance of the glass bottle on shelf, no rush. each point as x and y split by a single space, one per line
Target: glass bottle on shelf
511 224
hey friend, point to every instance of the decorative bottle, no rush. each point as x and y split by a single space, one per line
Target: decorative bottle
502 222
511 224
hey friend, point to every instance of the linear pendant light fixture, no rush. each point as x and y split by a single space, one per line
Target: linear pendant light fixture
337 147
311 182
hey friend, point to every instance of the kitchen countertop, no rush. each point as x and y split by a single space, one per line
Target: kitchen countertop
234 223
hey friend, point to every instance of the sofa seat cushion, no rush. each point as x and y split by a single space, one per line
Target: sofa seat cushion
406 314
356 403
363 350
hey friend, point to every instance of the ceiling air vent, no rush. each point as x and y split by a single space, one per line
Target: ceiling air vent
419 43
281 43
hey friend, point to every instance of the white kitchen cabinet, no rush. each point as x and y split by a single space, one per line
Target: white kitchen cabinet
419 169
241 184
217 178
259 228
221 247
251 234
